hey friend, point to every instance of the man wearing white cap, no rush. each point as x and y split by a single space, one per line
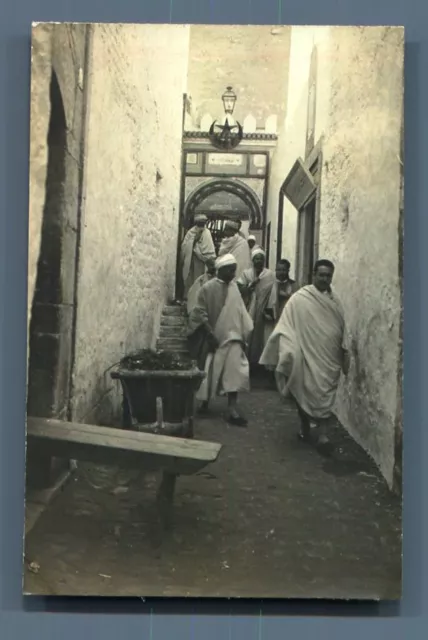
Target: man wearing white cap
219 329
252 243
257 288
197 248
237 245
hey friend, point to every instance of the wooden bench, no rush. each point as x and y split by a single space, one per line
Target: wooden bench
107 446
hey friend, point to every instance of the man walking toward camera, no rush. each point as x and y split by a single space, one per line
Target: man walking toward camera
308 351
218 330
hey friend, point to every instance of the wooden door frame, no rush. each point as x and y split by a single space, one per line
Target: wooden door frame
178 279
313 164
280 228
264 206
267 242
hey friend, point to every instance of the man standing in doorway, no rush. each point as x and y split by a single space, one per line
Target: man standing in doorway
196 249
252 243
218 331
235 244
241 233
256 286
284 287
308 351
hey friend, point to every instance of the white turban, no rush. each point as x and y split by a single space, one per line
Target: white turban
201 217
257 251
252 238
225 261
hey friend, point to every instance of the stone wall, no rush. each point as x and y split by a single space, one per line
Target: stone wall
292 129
58 58
131 199
41 64
57 48
360 225
58 52
252 59
358 115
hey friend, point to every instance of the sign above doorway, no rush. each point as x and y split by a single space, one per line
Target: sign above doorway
207 163
225 159
299 185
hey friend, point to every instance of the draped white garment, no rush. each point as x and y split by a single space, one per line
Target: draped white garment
306 350
192 295
262 298
238 247
194 254
227 369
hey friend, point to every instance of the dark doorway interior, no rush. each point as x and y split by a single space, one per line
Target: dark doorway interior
50 326
280 226
268 232
306 243
216 223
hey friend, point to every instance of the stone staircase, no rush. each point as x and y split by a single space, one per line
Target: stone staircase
172 334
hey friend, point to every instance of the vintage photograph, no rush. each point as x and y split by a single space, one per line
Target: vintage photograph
215 317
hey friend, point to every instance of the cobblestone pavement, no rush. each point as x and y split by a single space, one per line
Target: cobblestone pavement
271 518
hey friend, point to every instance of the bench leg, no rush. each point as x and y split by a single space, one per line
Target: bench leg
190 429
165 498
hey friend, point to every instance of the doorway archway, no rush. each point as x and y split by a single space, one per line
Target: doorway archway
220 199
236 188
50 334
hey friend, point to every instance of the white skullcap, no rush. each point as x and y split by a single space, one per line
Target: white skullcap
225 261
252 238
257 251
200 217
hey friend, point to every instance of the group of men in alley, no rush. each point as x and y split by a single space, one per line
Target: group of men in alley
242 315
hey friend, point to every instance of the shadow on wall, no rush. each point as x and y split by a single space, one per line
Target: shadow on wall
50 335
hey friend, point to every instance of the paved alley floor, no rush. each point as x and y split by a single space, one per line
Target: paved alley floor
271 518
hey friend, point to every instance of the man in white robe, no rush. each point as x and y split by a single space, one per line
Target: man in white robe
196 249
218 330
252 243
308 351
237 245
193 293
256 286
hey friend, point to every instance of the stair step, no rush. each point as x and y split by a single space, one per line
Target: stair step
178 331
173 321
172 343
173 310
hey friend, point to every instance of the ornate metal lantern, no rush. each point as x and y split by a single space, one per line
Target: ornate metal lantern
229 100
226 136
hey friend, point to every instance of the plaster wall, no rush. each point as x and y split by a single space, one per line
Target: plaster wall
131 200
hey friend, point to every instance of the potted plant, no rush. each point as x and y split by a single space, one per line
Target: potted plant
158 391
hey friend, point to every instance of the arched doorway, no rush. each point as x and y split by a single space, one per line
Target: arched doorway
222 199
50 336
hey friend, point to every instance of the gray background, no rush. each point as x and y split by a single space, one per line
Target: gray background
22 618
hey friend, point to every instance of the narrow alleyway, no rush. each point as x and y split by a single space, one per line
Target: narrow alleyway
270 519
